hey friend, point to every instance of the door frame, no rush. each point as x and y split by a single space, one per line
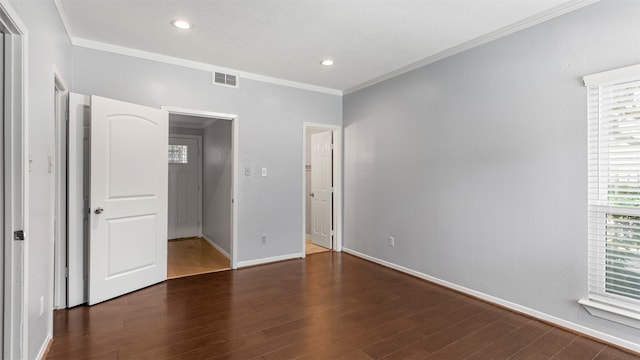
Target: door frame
59 193
199 139
15 264
235 145
78 160
336 242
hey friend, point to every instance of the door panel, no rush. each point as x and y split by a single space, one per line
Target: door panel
184 193
129 184
321 188
133 159
129 241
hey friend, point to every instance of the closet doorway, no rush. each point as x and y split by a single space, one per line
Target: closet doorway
200 153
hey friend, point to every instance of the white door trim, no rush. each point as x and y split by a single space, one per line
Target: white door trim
337 183
16 189
59 290
199 139
235 144
78 199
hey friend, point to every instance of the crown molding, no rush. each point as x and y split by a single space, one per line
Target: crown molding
500 33
64 19
481 40
122 50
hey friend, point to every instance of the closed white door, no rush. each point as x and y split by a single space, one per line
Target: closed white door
128 202
184 187
321 188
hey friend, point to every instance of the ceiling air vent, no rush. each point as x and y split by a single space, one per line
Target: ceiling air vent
225 79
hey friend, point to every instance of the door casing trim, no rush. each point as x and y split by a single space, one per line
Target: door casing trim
235 145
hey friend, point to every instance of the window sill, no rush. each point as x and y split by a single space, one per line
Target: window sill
612 312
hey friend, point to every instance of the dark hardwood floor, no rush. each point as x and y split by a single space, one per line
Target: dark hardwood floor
329 306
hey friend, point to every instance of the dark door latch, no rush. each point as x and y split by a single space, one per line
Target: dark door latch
18 235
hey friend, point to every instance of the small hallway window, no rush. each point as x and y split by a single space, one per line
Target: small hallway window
178 154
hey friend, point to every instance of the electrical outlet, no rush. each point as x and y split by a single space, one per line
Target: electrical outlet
392 241
41 305
247 171
263 239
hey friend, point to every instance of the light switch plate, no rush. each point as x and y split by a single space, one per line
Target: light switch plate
264 171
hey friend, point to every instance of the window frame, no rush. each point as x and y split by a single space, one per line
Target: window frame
611 306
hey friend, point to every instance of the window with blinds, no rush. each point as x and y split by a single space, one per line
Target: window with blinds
614 187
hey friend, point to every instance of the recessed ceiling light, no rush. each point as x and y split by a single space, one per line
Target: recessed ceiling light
326 62
181 24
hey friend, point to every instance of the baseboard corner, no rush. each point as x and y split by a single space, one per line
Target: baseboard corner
220 249
46 346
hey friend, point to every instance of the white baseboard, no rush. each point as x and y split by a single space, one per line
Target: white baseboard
504 303
43 350
242 264
223 251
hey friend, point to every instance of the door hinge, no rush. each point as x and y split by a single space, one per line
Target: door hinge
18 235
332 233
66 272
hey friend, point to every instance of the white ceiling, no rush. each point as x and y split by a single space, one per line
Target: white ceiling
286 39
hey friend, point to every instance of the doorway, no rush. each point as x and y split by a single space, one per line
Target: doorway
322 197
200 194
81 258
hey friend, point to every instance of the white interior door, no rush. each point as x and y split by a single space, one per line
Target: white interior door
321 188
128 220
184 187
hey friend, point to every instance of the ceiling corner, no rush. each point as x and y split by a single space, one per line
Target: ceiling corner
65 21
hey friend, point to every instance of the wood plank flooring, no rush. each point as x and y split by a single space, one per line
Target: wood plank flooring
327 306
312 248
192 256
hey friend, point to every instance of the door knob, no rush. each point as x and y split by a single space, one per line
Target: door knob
98 210
312 194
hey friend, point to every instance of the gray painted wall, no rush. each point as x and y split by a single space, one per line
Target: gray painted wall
270 135
175 130
47 45
216 183
478 163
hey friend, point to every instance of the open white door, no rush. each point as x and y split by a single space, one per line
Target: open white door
128 220
321 188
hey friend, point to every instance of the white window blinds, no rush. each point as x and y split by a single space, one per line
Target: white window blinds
614 187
